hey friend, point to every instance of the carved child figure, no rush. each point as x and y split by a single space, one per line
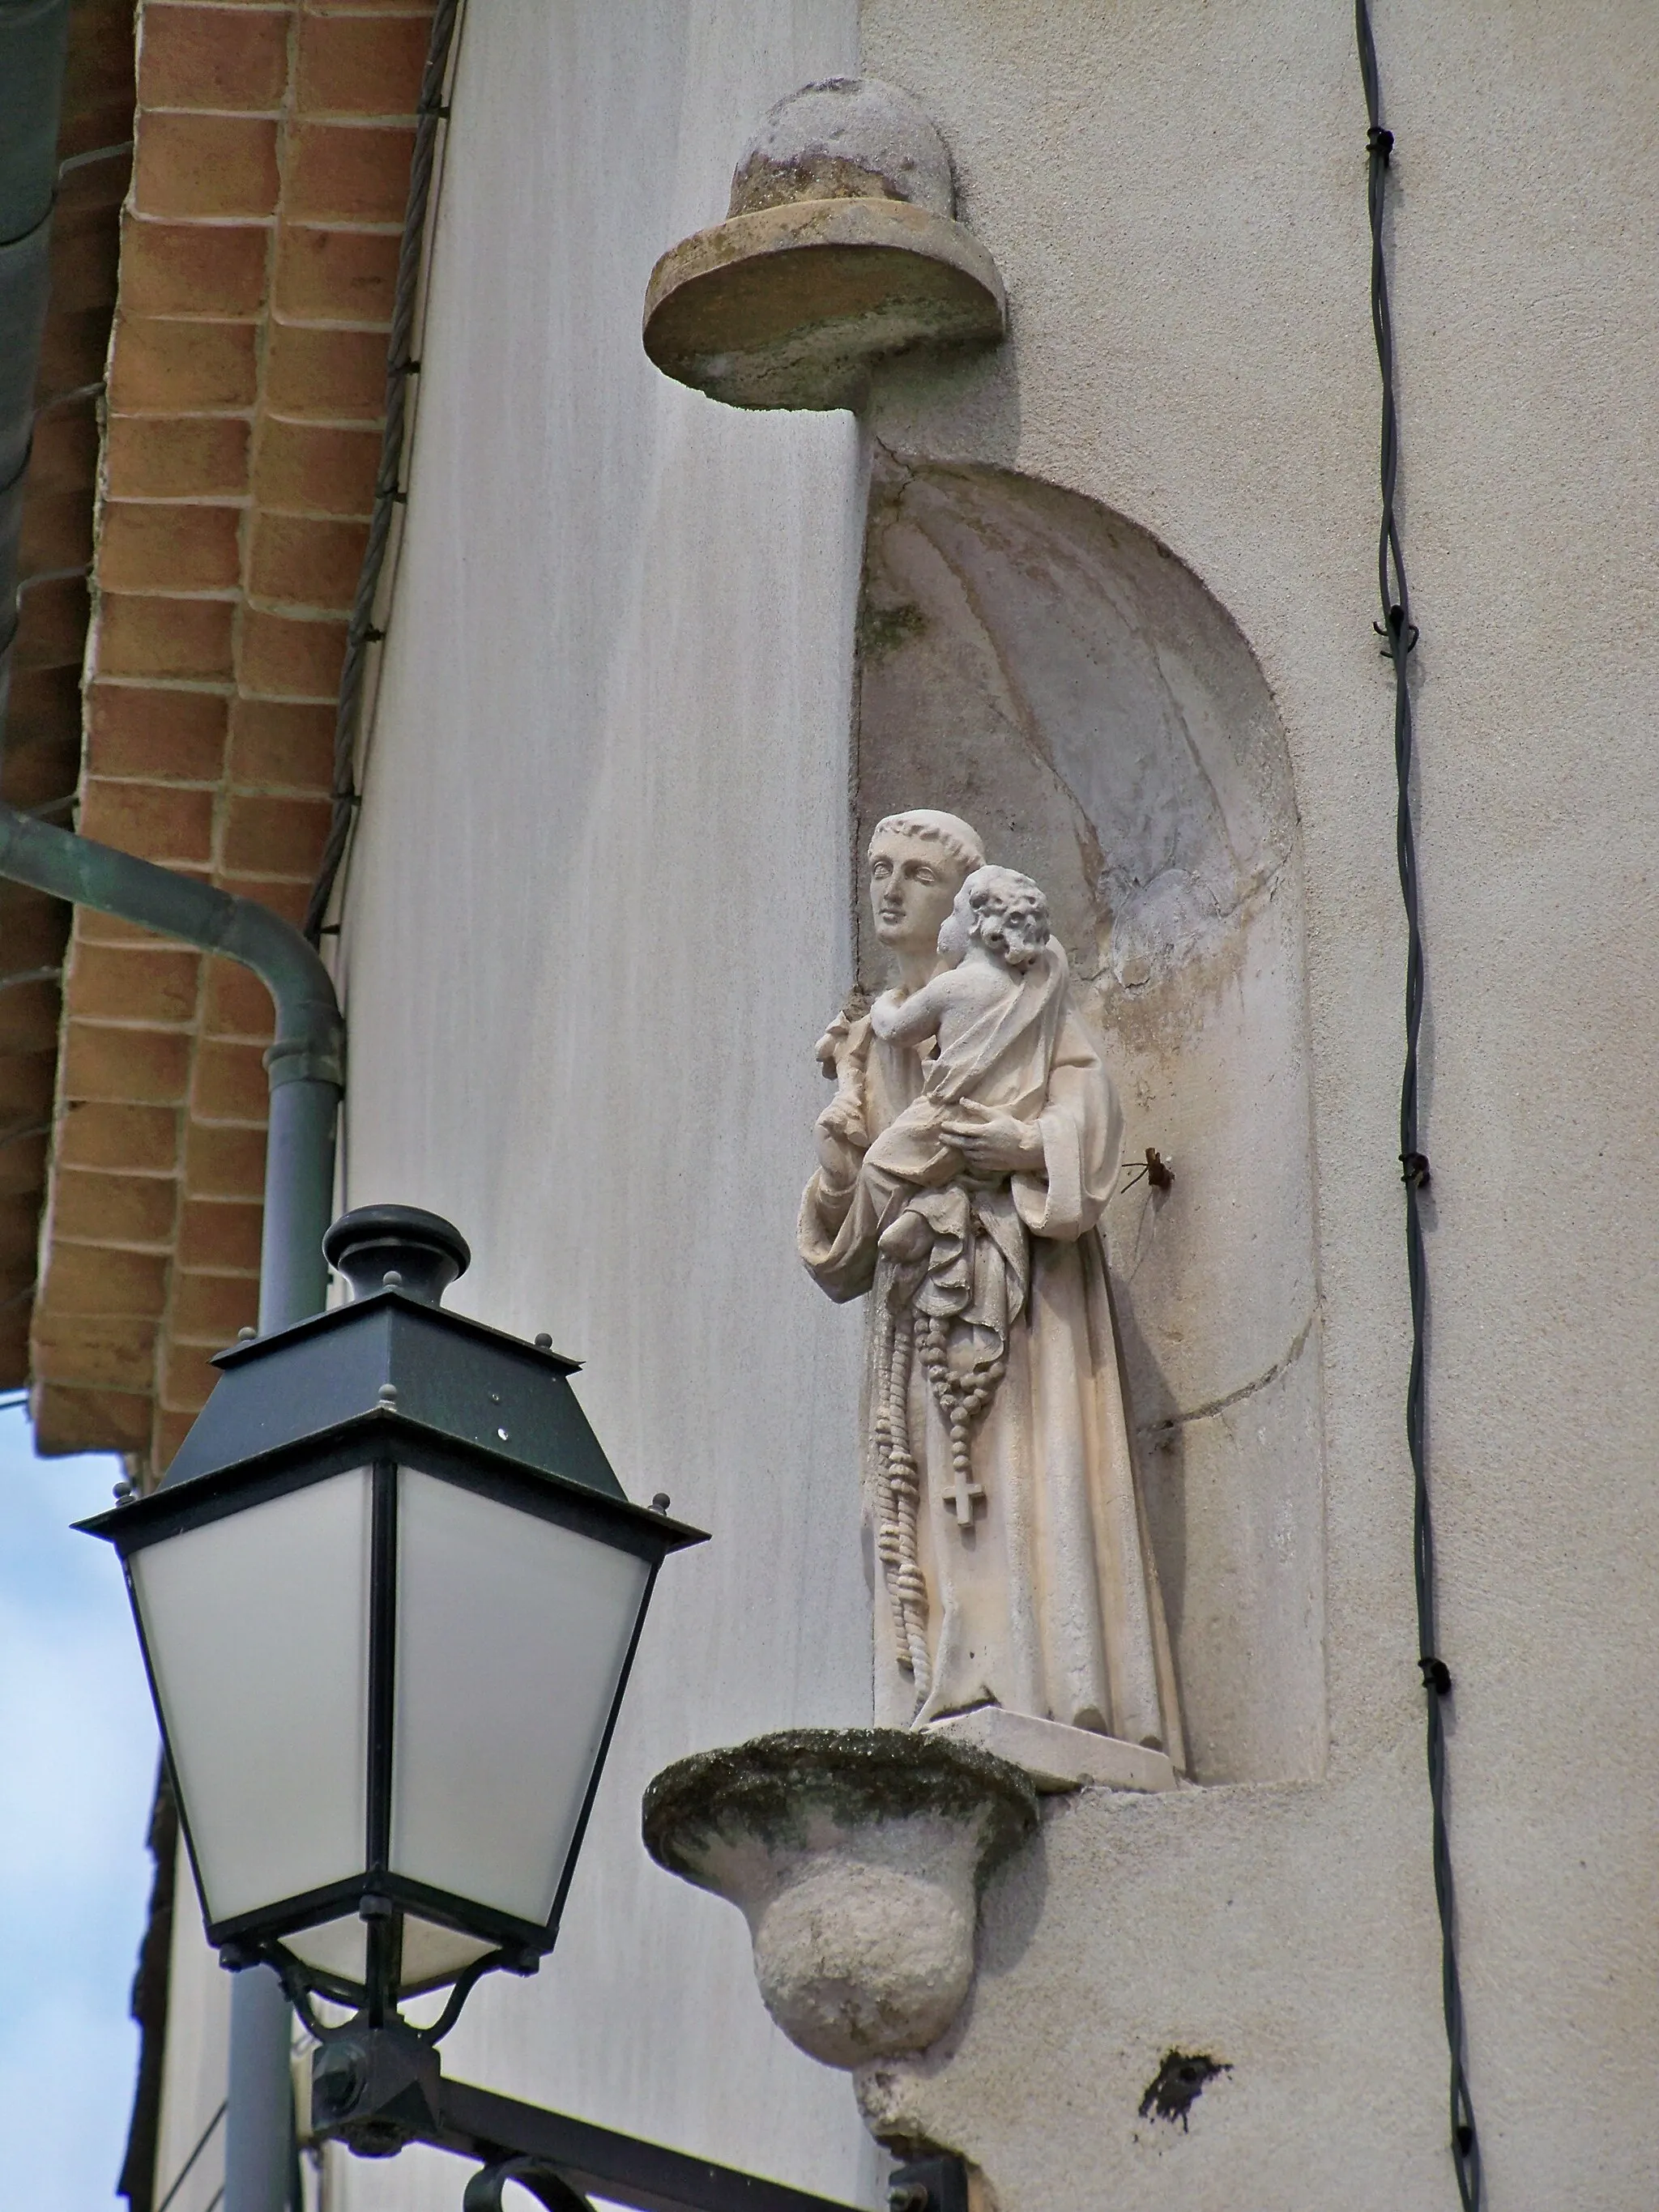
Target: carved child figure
990 1014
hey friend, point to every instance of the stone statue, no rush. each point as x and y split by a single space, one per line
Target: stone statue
965 1163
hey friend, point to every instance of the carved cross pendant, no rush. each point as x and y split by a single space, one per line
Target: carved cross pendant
963 1496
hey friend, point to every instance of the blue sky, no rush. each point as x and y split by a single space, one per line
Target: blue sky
77 1768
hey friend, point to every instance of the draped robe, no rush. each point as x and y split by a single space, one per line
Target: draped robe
1049 1603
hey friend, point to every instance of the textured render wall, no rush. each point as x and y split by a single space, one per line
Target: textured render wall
1175 194
596 922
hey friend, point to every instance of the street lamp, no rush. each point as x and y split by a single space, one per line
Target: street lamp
388 1595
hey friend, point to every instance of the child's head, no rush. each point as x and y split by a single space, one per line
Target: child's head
1000 909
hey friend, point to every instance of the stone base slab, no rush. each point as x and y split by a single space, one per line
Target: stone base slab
1056 1757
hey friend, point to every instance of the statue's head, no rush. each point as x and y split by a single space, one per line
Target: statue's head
919 861
1002 909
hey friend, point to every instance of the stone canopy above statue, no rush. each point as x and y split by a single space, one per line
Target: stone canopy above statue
840 247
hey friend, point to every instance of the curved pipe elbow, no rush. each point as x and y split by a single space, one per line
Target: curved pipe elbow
309 1039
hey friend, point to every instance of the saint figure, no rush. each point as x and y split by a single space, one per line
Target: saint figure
964 1166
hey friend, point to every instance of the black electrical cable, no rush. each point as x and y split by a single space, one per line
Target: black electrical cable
360 632
1399 636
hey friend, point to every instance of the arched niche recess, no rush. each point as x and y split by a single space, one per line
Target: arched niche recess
1039 664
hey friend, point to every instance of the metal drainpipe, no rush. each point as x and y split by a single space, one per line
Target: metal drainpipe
305 1063
306 1083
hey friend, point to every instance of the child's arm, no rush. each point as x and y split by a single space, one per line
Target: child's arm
912 1020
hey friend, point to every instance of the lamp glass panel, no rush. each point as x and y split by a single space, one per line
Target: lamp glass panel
432 1953
257 1628
512 1635
339 1947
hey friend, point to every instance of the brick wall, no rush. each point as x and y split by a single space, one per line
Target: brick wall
246 380
41 756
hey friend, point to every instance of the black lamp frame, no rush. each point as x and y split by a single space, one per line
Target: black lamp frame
384 1441
310 1401
377 2089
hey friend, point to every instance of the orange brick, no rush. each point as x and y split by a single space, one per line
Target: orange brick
143 636
91 1134
318 372
306 468
82 1279
177 366
170 1431
306 560
192 268
276 742
204 57
92 928
187 1380
70 1420
347 172
113 1209
276 836
158 821
290 657
206 165
230 1083
114 1352
335 275
219 1233
134 983
146 547
236 1003
134 731
287 899
193 457
211 1308
361 64
146 1066
221 1161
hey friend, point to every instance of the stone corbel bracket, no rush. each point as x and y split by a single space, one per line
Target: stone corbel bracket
858 1858
841 248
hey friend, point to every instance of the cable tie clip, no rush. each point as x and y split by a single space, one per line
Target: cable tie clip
372 636
1391 635
1437 1676
1463 2137
1379 144
1414 1169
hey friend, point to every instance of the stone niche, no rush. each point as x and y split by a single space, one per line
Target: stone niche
1043 666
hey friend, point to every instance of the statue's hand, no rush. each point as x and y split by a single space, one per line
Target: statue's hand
841 1139
845 1044
827 1050
994 1143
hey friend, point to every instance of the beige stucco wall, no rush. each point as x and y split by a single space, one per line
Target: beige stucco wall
1176 197
597 912
594 925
